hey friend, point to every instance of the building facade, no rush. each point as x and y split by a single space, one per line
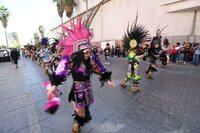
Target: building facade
181 18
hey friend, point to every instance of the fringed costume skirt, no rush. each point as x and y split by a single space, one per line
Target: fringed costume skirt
82 94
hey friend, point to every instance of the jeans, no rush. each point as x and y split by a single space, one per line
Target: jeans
181 57
186 57
106 59
196 58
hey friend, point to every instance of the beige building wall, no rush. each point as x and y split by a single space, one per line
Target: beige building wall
112 19
197 28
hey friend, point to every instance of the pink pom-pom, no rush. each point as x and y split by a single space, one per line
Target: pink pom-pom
47 85
52 105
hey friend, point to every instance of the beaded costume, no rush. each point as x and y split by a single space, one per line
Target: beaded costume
132 39
75 43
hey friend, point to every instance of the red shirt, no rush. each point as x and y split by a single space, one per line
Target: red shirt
175 50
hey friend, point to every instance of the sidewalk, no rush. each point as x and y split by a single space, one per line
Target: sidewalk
168 103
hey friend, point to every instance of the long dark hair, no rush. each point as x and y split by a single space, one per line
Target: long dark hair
78 58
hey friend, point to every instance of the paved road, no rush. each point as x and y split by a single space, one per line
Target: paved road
170 103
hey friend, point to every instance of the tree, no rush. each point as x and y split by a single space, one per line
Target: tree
36 38
15 36
41 30
17 45
70 4
44 40
60 8
3 46
4 14
16 40
65 5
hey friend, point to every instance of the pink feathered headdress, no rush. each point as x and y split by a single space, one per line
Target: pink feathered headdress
77 38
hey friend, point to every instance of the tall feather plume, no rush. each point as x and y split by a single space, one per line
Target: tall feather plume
136 31
157 39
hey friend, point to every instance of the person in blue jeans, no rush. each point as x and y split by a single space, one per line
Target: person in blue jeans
196 56
107 52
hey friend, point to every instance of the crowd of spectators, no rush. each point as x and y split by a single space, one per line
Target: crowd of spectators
176 53
185 52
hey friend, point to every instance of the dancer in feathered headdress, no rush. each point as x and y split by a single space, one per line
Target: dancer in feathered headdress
134 36
155 52
78 59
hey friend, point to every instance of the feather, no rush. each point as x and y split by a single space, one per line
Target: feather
76 33
135 31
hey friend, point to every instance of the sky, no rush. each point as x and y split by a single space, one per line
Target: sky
27 15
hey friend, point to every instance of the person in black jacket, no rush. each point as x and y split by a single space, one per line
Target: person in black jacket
153 55
15 56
